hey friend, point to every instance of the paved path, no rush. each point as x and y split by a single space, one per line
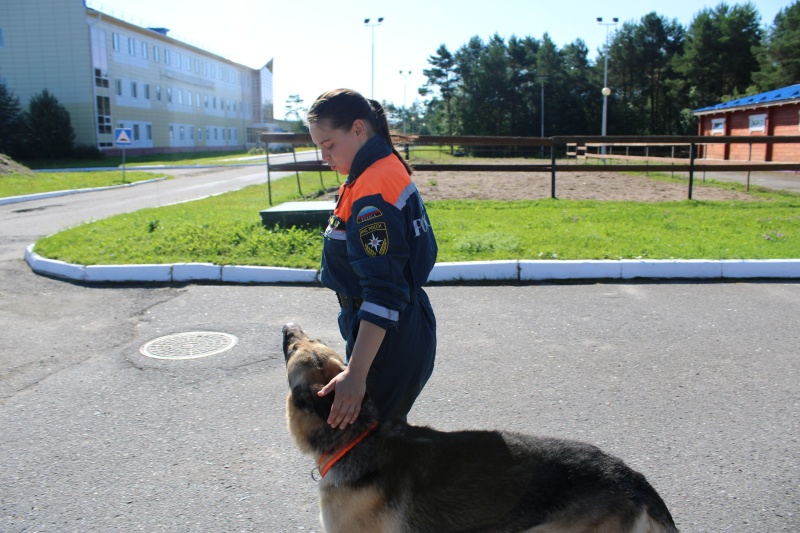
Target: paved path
787 181
693 384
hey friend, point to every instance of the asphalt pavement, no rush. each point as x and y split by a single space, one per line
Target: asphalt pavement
693 384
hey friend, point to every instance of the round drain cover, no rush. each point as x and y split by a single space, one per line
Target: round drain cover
190 345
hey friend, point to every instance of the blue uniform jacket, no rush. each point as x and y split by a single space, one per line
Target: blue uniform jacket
379 244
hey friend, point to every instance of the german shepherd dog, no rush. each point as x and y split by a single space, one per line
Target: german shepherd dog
387 476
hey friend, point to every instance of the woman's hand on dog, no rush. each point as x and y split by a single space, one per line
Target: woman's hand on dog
350 390
351 384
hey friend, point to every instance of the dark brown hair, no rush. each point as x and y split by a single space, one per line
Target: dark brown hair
341 107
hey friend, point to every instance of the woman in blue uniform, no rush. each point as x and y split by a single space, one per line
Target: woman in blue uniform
378 251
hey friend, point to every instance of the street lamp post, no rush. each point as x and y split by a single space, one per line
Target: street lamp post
606 91
542 80
372 25
405 75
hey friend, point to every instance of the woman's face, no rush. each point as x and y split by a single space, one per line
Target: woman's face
339 146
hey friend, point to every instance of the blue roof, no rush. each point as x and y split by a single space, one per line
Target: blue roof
792 92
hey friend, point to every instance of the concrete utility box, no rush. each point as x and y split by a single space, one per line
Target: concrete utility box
290 214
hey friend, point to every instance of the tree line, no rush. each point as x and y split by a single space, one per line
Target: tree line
658 72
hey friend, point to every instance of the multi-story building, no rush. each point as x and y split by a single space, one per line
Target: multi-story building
109 73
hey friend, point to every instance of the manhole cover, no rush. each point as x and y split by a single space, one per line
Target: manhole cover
191 345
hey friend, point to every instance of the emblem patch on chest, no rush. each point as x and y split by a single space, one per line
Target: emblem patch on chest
374 239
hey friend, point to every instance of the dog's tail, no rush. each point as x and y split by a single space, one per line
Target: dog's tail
655 517
647 523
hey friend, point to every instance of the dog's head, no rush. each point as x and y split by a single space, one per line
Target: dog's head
310 365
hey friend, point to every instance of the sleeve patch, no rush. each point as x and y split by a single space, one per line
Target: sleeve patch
374 239
368 213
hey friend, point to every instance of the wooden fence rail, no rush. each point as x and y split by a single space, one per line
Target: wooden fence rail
567 143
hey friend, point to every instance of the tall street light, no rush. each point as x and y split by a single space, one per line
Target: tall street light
542 80
372 25
405 75
606 91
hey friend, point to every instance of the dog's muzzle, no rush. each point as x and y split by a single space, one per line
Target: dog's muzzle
291 334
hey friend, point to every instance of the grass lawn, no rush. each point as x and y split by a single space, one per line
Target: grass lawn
227 230
39 182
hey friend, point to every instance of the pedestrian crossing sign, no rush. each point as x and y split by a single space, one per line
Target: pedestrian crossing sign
122 136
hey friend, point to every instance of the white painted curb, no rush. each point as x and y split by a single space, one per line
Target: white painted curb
168 273
541 270
128 273
769 268
256 274
569 269
182 272
475 271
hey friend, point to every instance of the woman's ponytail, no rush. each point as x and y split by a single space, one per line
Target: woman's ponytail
381 125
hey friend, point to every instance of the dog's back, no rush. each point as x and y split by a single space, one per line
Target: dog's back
498 481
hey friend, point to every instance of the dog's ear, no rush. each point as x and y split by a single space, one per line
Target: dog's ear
306 399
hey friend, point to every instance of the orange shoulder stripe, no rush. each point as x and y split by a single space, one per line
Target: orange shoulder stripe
387 177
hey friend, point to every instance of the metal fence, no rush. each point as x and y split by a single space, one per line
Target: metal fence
574 149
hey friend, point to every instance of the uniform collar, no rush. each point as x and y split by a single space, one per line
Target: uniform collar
374 149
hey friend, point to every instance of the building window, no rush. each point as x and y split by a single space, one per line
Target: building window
118 87
147 91
131 46
169 95
180 96
166 57
103 115
158 92
135 132
196 63
758 122
149 130
205 99
171 133
144 49
115 41
100 78
2 41
134 89
156 56
182 133
189 98
177 60
717 126
199 134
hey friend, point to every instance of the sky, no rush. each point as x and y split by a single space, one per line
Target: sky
317 45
